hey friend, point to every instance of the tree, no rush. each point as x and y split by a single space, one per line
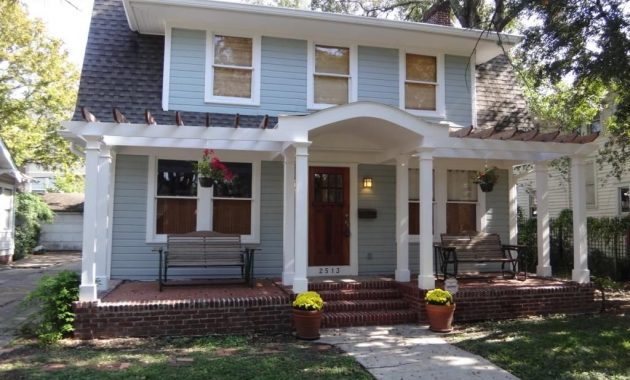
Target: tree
37 90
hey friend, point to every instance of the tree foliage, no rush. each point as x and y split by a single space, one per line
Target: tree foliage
30 213
37 90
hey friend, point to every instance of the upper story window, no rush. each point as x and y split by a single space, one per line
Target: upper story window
420 87
233 69
331 75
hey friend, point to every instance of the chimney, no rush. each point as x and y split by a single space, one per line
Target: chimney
439 13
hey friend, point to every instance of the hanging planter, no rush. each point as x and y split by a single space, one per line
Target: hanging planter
211 171
487 178
440 310
307 315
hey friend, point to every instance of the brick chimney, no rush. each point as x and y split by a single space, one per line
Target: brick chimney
439 13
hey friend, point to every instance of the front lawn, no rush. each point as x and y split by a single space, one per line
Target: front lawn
185 358
558 347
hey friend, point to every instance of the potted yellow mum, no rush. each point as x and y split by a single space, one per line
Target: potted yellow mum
440 309
307 315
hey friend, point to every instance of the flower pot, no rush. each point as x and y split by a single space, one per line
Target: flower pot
206 182
440 317
307 323
486 187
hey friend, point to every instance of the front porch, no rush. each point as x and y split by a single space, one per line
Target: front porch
139 309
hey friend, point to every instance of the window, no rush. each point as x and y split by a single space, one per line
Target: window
624 199
331 72
233 69
176 197
589 169
231 211
6 208
414 201
461 201
421 79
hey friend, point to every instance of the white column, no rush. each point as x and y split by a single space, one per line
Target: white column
87 289
441 197
300 282
580 274
288 226
512 206
402 219
103 219
426 279
542 219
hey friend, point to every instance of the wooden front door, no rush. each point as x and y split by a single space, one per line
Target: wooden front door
329 216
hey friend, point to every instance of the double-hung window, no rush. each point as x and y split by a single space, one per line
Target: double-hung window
331 75
461 201
414 201
233 69
232 203
420 87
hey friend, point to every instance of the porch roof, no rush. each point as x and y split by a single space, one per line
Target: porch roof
414 134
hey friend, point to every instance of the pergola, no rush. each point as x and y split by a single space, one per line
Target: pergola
407 137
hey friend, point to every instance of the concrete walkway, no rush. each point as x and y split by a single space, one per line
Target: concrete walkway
410 352
17 280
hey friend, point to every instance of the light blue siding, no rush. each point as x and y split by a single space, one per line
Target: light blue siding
282 85
133 258
378 75
497 208
377 237
458 85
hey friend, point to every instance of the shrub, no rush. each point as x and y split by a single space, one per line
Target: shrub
31 211
55 295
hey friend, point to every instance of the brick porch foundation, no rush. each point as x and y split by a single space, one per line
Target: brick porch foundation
268 314
497 302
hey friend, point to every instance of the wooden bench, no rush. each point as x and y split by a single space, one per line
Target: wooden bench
205 249
477 248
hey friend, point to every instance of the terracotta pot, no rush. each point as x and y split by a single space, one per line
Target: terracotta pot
206 182
440 317
307 323
486 187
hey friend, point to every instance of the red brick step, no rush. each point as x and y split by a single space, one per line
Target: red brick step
364 305
360 294
368 318
339 284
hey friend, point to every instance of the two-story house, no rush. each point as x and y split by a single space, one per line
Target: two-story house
352 138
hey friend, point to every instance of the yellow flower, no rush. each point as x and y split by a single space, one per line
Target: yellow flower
439 297
308 301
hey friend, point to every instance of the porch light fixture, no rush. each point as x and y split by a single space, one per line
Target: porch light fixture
367 182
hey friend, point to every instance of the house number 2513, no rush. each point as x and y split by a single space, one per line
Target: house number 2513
331 270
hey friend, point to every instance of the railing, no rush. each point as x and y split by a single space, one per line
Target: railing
608 248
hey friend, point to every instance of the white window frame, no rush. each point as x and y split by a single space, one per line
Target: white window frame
439 85
204 205
310 74
593 205
618 195
209 97
11 206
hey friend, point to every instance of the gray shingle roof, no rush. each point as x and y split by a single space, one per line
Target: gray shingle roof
123 69
500 101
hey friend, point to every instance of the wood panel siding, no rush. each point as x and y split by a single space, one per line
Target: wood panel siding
232 216
378 75
175 216
458 100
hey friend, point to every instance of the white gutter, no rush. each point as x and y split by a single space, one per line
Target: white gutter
320 16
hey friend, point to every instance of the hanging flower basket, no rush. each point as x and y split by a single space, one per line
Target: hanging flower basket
487 178
211 171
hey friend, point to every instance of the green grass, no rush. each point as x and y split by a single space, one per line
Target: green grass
559 347
229 357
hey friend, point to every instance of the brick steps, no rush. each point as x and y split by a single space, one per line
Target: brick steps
368 318
363 303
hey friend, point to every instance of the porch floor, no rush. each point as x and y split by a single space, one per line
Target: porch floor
138 291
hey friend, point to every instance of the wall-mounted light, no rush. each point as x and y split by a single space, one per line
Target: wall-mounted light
367 182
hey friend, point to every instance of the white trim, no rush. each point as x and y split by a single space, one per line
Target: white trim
592 206
209 97
310 73
204 206
110 212
353 268
440 84
166 73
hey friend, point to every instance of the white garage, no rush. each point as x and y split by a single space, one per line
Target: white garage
65 233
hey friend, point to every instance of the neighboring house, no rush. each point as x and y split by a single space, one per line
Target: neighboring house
10 178
606 195
65 232
42 180
339 128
